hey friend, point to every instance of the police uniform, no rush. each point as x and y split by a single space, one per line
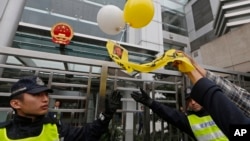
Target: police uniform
48 129
204 128
195 124
202 124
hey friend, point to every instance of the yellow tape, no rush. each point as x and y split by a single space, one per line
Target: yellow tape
120 56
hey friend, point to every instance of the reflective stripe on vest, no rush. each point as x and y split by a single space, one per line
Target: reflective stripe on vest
205 129
49 133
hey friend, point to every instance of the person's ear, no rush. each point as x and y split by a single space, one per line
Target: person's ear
15 103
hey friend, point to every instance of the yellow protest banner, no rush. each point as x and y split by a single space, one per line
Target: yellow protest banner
120 56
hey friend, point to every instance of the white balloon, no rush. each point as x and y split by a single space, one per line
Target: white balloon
110 19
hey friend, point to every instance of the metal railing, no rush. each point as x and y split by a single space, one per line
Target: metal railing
84 92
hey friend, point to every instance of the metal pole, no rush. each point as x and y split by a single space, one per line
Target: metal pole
10 15
102 89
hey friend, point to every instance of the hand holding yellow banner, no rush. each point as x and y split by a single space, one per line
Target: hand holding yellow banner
120 56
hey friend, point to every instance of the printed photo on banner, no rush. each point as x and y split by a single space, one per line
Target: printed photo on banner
118 51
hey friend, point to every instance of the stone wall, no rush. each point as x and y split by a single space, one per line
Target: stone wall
230 51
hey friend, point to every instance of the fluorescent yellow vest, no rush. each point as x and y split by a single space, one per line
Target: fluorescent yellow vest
205 129
49 133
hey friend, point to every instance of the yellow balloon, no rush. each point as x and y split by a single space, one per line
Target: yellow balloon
138 13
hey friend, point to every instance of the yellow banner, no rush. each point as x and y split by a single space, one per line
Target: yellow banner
120 56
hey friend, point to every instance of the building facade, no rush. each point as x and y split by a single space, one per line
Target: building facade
216 32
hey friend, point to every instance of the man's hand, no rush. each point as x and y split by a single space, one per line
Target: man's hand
112 102
200 69
142 97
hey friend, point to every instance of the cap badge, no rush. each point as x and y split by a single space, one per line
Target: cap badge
39 81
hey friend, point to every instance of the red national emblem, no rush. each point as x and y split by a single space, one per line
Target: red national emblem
61 33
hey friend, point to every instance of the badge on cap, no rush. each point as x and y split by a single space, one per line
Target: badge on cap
39 81
188 91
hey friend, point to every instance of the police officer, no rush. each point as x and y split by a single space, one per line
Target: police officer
29 99
197 122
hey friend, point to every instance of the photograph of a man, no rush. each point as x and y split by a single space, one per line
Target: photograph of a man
118 51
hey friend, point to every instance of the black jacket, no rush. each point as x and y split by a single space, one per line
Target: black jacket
175 117
21 127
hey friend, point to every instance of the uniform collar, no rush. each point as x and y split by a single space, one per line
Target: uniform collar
26 120
200 113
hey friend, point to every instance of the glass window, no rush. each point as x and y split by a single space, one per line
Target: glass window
202 13
177 5
168 46
173 21
80 14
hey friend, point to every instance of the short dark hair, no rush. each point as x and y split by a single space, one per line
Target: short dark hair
19 97
57 100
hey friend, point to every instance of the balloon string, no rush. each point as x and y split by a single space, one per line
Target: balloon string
123 32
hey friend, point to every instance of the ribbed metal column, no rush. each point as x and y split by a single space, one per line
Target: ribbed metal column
10 15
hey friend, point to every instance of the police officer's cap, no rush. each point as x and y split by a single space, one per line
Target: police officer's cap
188 92
30 84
